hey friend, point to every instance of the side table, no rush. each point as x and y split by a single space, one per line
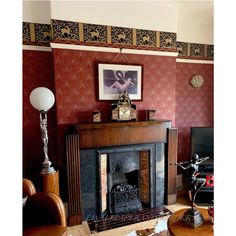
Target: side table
177 227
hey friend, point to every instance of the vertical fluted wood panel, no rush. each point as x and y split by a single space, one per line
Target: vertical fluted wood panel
171 170
73 178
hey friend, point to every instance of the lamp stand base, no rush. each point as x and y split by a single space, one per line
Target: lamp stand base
193 218
48 170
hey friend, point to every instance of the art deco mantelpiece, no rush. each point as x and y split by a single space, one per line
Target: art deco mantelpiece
87 136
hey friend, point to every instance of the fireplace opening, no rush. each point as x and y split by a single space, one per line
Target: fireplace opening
123 182
138 167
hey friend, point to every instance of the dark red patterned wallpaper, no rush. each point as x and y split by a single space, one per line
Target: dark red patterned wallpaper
166 88
76 79
76 82
194 107
37 71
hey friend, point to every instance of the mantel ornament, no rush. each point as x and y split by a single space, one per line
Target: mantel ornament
123 110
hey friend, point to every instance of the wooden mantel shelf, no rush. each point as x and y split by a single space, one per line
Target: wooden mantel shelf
118 124
121 133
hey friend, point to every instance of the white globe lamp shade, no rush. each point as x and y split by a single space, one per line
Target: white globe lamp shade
42 98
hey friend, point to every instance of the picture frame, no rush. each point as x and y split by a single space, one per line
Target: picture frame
114 79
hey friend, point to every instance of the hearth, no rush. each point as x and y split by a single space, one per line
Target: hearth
99 224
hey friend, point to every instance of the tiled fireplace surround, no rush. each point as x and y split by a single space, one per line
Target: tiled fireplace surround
90 170
85 147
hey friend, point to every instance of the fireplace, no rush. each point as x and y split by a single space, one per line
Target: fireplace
115 168
138 165
122 187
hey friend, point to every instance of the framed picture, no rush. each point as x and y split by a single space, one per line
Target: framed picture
115 79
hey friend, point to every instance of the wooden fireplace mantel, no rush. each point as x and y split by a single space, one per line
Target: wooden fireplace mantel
121 133
86 136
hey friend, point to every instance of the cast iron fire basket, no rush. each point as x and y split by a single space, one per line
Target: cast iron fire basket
125 199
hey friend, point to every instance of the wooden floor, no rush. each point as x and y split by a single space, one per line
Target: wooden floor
83 230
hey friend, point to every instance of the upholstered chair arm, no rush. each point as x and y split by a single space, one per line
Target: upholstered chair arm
44 208
28 188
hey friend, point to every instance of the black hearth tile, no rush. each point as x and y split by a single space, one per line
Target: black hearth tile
115 221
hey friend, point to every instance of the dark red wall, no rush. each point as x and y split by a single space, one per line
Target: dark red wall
166 88
37 71
194 106
76 83
76 78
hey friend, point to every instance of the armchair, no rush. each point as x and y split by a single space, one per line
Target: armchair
43 213
28 188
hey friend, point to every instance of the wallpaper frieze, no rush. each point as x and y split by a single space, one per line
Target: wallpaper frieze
167 40
42 33
65 30
182 48
70 32
210 51
121 35
197 50
26 31
36 34
146 38
95 33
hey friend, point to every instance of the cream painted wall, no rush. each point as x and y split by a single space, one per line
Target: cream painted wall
36 11
191 20
150 15
195 22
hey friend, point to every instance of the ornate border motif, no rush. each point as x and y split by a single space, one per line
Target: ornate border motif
65 30
146 38
69 32
197 50
210 51
167 40
182 48
26 31
94 33
42 33
120 35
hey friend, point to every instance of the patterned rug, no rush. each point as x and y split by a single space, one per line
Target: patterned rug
115 221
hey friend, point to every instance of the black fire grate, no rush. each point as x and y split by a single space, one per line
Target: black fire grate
124 201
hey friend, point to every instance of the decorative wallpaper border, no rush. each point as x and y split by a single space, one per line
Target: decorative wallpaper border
36 34
69 32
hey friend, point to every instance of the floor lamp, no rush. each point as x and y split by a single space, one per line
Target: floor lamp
42 99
